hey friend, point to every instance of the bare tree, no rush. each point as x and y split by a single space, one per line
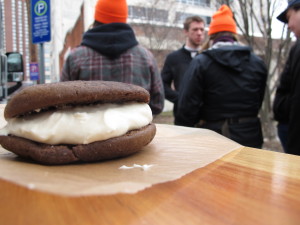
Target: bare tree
254 20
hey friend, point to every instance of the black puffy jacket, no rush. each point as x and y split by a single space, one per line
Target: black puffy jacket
225 84
287 100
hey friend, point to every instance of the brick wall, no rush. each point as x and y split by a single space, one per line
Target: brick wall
73 37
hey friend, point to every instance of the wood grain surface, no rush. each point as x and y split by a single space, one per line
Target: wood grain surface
247 186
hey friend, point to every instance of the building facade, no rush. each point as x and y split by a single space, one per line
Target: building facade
158 25
15 29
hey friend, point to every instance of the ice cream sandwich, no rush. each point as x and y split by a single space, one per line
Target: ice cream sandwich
78 121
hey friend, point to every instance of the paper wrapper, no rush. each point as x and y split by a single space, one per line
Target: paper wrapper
174 152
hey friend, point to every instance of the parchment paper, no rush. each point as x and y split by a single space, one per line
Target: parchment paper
174 152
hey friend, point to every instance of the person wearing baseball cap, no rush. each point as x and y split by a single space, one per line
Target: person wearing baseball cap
110 51
282 16
291 16
286 105
223 88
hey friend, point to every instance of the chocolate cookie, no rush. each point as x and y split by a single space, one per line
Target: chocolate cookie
44 96
122 146
40 98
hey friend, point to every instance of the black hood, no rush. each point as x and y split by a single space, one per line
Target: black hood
233 56
111 39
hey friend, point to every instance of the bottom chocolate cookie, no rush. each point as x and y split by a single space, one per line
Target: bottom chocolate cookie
132 142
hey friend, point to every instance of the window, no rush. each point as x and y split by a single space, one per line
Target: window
180 17
14 25
137 12
20 26
2 26
149 14
14 62
196 2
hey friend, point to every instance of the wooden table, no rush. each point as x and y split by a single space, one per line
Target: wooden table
246 186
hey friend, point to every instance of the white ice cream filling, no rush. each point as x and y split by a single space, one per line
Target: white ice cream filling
80 125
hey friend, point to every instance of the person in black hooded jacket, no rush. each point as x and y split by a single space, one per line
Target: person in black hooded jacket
109 51
223 88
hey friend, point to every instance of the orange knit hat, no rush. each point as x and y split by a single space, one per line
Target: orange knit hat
111 11
222 21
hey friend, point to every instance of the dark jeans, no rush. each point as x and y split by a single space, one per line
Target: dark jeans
245 131
282 131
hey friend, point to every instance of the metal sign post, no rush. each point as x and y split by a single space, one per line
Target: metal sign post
42 63
41 30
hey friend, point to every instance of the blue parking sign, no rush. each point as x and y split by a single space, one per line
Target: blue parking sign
40 21
34 71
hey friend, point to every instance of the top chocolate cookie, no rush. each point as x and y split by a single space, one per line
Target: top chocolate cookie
45 96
